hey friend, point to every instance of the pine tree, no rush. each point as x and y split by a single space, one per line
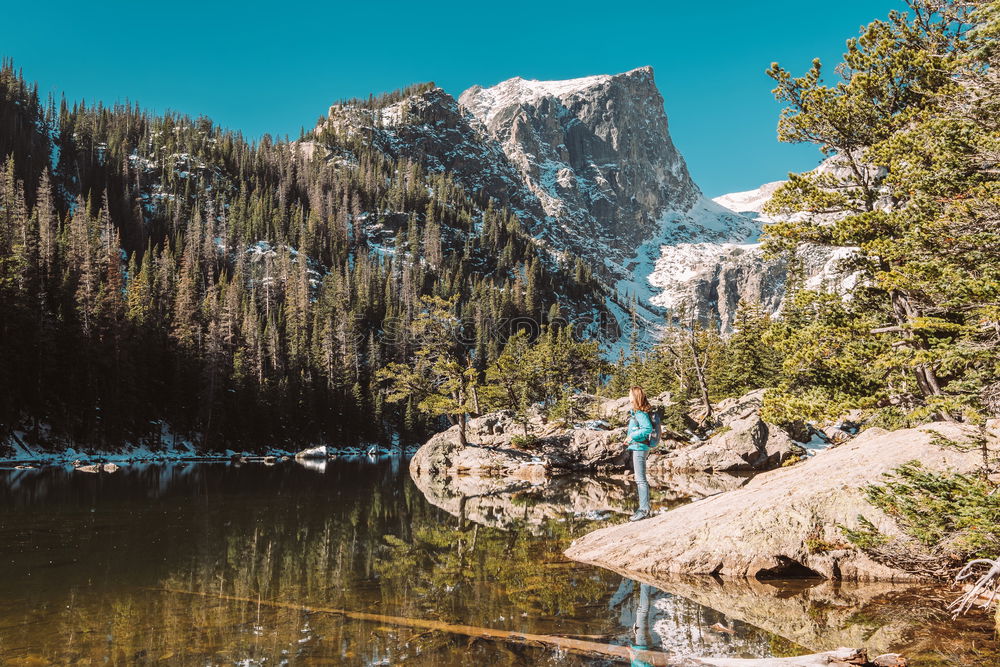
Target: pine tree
439 377
749 360
907 173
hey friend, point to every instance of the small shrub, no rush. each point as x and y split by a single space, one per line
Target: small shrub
815 545
618 420
523 441
866 537
949 514
792 460
675 417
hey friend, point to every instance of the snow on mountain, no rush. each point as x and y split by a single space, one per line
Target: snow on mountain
486 103
712 278
665 265
597 153
750 203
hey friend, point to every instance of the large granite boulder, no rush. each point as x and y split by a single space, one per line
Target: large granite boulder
770 527
742 442
742 445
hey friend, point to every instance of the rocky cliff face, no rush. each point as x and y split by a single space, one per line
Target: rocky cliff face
597 153
709 279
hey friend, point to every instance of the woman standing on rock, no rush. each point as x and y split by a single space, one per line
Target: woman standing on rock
640 432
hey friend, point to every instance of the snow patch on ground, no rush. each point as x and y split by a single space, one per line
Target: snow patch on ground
174 448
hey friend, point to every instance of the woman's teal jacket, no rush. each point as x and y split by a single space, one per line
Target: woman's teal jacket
640 426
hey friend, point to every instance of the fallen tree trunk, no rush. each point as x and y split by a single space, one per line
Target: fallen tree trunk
843 656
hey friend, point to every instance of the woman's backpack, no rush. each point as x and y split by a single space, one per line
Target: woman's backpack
655 419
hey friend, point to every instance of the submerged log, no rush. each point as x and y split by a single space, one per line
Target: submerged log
841 657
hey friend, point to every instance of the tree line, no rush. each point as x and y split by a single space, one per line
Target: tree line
162 277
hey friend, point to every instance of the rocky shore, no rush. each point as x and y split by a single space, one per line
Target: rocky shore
742 442
788 522
784 518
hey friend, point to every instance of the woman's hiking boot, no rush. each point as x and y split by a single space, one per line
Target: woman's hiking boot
639 516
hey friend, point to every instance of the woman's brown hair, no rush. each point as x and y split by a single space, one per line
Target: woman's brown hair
639 400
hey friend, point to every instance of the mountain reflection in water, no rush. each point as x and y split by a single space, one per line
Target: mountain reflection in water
91 560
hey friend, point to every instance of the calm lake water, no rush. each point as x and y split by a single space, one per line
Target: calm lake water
350 564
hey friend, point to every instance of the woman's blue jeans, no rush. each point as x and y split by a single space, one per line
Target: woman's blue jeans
641 483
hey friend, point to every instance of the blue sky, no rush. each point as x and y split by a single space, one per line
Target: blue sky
276 67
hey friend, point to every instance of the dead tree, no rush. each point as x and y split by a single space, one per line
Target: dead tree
984 592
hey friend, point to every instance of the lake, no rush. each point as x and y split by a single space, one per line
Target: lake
350 563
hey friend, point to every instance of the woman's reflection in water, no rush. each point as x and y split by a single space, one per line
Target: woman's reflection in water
641 627
641 639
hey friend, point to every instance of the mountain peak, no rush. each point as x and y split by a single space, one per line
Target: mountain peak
644 71
518 89
587 163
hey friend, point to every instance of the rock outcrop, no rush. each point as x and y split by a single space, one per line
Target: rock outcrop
748 444
785 522
743 443
493 454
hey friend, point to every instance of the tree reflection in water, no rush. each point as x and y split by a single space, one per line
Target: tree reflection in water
88 558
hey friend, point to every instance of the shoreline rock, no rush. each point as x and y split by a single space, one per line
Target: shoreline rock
748 444
765 528
743 443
